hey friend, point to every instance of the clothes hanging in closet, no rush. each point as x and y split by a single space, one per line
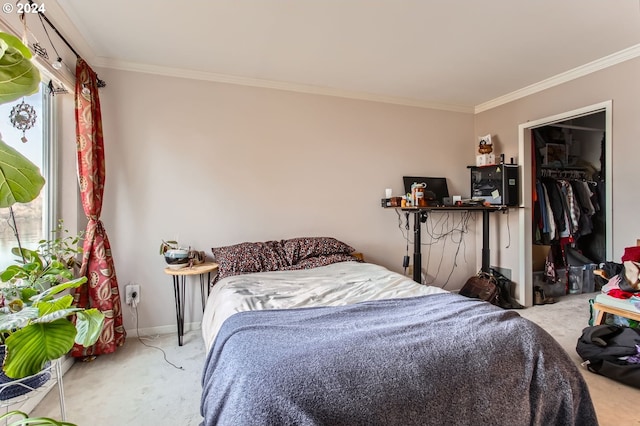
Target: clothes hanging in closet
564 208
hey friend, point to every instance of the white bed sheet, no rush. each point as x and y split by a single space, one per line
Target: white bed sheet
337 284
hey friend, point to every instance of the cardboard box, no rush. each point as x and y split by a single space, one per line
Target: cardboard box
485 159
538 256
554 154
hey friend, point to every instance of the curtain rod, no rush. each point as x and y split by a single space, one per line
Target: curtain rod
101 83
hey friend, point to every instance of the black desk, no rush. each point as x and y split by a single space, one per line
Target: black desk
420 215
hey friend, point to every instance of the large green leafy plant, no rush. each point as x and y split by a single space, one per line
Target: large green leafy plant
38 322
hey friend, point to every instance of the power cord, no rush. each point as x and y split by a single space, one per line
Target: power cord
447 228
508 228
404 229
134 307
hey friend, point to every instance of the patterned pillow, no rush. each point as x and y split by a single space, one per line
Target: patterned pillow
249 257
297 249
322 260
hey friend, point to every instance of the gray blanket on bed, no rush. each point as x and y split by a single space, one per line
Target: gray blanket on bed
432 360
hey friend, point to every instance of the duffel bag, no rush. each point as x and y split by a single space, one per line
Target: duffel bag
611 351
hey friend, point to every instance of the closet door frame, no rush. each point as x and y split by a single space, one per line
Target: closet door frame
525 278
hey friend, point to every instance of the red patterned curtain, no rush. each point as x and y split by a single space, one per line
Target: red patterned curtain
101 290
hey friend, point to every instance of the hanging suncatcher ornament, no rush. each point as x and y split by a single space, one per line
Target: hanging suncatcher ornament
23 117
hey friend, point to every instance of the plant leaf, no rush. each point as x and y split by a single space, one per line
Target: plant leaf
10 272
48 293
55 306
56 315
27 254
27 293
20 179
18 319
28 349
15 42
18 75
89 326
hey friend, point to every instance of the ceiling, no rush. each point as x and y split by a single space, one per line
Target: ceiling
453 54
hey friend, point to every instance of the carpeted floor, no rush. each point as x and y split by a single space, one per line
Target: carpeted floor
564 320
136 386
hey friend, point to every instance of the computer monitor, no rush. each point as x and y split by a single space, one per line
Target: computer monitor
437 185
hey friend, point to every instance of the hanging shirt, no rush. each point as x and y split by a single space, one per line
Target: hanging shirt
556 203
572 210
551 224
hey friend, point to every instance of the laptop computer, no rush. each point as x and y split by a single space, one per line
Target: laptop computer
437 185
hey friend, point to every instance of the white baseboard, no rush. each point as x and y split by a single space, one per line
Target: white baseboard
163 329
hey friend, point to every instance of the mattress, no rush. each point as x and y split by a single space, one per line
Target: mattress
338 284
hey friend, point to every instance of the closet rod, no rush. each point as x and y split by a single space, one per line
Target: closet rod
566 174
101 83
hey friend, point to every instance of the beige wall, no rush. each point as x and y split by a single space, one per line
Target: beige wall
619 84
215 164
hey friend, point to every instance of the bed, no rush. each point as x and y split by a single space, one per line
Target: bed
323 339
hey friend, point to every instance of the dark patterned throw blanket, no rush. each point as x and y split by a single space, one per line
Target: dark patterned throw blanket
440 359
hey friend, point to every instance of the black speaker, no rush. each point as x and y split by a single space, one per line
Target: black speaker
497 184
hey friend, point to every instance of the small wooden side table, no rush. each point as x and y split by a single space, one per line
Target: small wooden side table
179 280
604 309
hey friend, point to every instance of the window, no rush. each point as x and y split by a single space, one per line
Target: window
32 219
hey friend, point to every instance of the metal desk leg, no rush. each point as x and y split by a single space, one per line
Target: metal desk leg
419 217
179 293
485 241
417 255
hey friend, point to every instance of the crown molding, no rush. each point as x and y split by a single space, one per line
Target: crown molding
271 84
591 67
65 25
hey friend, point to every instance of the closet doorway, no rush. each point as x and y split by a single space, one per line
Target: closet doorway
576 144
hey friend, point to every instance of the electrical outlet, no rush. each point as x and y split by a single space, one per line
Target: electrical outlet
132 294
